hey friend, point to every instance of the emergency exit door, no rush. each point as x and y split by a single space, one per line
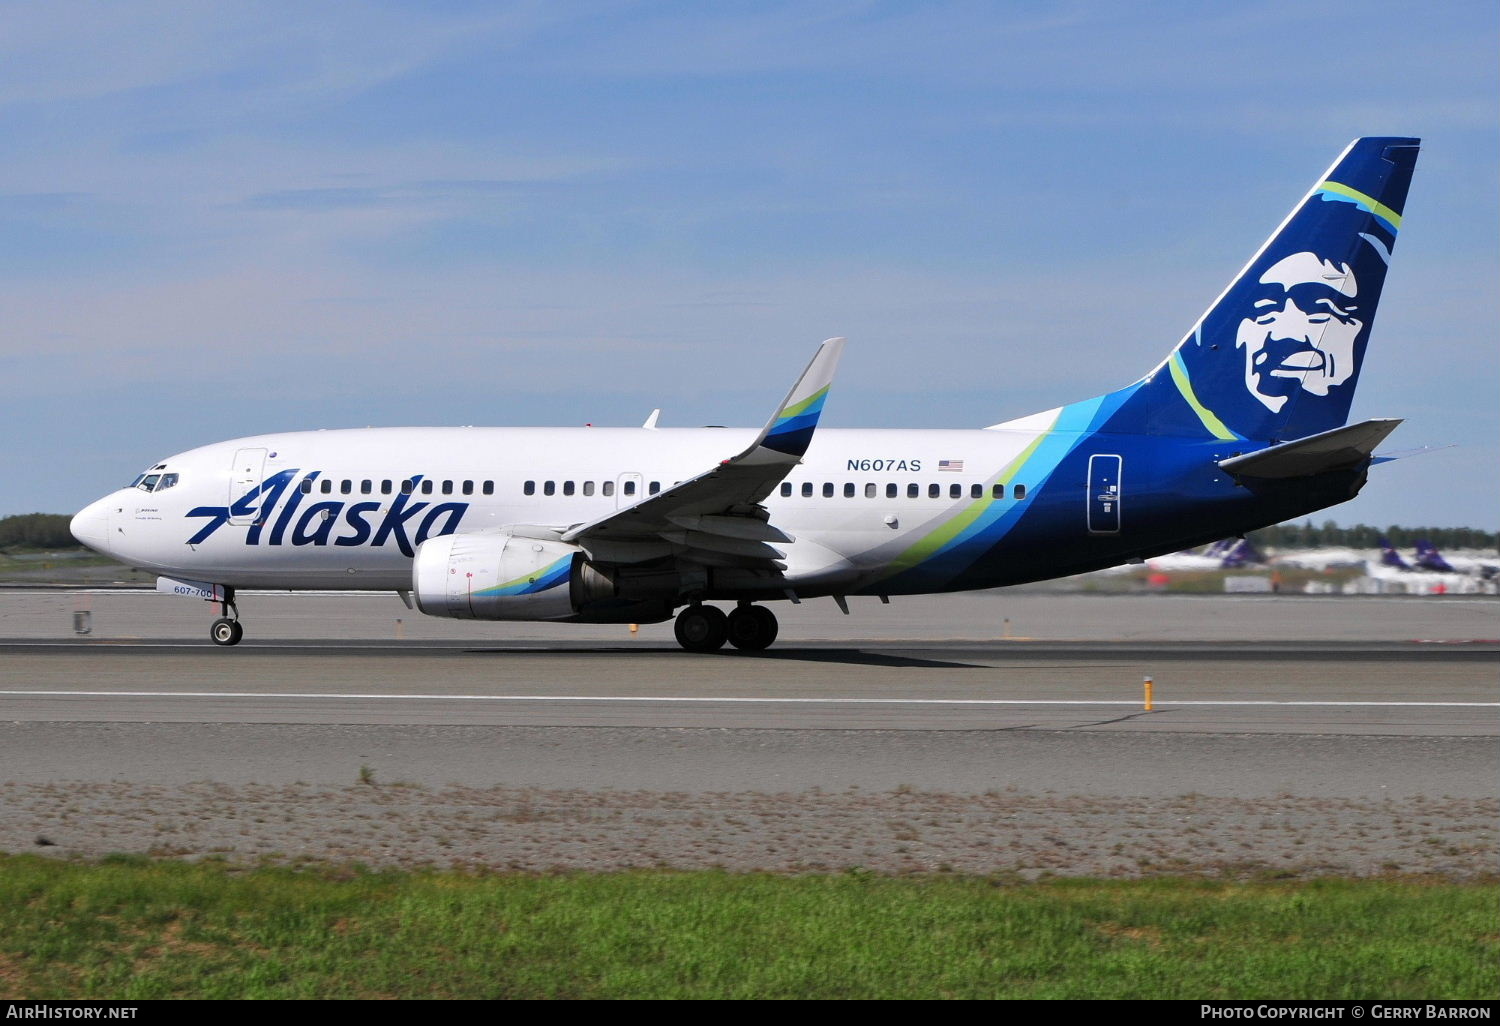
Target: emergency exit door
1104 494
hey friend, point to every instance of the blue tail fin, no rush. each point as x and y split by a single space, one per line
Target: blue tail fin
1429 558
1242 553
1277 356
1390 557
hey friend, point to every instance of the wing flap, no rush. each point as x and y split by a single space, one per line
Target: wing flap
719 543
750 528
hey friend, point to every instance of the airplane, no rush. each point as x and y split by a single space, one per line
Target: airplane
1426 558
1241 552
1389 557
1243 425
1430 559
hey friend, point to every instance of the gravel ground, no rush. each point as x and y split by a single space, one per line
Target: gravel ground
898 831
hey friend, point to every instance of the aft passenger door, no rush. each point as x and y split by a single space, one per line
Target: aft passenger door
1104 494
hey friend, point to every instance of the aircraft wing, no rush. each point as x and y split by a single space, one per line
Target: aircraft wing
1329 450
716 518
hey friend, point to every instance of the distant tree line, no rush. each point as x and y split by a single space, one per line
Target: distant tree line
1362 536
36 531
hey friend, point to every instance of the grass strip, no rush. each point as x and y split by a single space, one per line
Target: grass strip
130 928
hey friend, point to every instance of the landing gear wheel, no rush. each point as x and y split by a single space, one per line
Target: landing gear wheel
701 628
752 628
225 631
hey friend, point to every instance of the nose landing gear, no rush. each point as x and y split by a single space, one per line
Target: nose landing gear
226 630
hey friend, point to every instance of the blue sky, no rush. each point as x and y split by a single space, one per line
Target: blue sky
221 218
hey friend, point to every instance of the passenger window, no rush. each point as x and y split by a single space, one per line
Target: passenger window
549 487
913 491
807 489
956 491
786 489
890 491
468 487
607 488
848 490
629 487
327 486
447 487
346 486
588 488
997 492
426 487
567 487
934 491
655 487
306 486
1019 491
407 486
976 492
366 487
870 489
529 488
827 489
489 488
385 488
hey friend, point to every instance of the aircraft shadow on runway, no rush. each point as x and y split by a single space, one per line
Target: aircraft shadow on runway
850 656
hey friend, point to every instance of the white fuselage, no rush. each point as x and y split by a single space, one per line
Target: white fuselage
340 519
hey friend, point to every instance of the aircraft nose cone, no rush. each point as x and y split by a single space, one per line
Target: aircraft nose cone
91 526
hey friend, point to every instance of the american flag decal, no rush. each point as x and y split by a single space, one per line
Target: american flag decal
954 465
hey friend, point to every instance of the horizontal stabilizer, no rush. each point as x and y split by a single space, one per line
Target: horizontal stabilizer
1338 449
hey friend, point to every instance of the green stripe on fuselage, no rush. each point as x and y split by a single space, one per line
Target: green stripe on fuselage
951 529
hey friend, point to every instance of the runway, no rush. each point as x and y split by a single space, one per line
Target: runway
1388 688
1300 736
1286 665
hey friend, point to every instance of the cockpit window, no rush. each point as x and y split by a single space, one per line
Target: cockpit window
167 481
149 482
138 479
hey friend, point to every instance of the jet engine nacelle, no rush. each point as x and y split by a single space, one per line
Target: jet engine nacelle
503 577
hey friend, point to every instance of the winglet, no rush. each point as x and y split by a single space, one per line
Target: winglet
789 431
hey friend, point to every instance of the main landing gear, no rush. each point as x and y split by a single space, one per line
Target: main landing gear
701 628
226 630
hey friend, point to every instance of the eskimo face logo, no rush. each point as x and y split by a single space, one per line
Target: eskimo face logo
1300 330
